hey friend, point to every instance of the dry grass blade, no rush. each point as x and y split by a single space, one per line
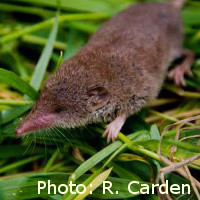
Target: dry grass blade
179 168
192 181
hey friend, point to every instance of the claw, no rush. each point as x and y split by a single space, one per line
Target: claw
114 128
178 73
111 133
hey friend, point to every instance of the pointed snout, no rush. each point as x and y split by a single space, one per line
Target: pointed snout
25 128
18 132
34 123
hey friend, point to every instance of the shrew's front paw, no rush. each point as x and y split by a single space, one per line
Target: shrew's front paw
114 128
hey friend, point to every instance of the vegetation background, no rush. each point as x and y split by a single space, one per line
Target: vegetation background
32 36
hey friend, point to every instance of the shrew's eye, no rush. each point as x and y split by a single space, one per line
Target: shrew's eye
58 110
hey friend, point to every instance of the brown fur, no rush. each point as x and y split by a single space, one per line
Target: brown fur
121 68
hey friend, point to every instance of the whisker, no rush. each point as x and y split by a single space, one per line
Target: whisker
34 142
62 134
51 135
28 147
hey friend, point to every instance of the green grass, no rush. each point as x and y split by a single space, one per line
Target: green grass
32 36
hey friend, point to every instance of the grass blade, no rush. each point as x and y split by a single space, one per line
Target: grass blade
16 82
18 164
49 22
42 64
11 114
96 182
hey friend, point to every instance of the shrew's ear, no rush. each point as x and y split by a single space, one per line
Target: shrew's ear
98 97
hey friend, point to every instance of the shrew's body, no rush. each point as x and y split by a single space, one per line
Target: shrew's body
116 73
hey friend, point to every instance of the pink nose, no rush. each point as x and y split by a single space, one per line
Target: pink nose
25 128
34 124
18 132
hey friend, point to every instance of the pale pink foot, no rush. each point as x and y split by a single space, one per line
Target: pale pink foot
114 128
178 73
